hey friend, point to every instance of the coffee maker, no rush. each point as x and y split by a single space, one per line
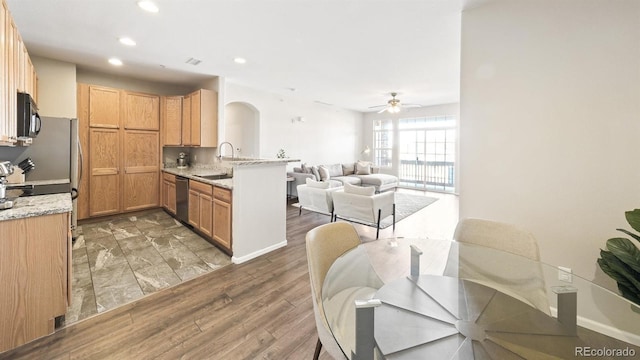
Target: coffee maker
6 169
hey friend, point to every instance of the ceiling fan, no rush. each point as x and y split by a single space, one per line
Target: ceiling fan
393 105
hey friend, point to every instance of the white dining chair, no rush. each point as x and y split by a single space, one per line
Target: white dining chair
519 275
324 245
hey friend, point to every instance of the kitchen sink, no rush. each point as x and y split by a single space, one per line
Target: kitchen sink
215 177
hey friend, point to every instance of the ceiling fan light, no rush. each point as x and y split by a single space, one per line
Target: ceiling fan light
393 109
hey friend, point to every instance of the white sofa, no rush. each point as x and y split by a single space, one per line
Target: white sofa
363 205
316 196
357 173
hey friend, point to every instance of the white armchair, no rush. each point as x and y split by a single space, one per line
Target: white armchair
316 196
362 205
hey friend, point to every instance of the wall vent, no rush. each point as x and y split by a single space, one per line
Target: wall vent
193 61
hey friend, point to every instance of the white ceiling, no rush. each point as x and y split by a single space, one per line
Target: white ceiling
347 53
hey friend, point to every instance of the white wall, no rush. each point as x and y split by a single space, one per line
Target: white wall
56 87
550 121
327 135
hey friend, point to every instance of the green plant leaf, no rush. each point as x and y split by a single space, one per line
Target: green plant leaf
629 294
637 237
633 218
626 251
623 273
613 267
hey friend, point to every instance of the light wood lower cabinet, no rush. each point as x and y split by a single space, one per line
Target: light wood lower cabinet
209 211
201 207
35 270
222 217
169 192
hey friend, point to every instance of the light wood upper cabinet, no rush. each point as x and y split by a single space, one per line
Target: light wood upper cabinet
4 83
141 111
171 110
186 120
200 119
104 107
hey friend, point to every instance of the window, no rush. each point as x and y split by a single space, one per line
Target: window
427 152
383 143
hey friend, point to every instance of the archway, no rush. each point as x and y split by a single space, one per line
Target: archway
242 128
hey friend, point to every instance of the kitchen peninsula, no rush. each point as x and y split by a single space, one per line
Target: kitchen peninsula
257 192
35 267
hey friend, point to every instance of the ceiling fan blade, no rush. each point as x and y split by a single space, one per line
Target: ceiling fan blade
383 110
377 106
411 105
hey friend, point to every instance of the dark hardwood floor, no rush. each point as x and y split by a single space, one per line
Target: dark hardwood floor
261 309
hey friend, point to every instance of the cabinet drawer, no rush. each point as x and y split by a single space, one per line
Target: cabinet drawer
222 194
169 177
200 187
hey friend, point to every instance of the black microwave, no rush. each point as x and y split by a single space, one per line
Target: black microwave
29 123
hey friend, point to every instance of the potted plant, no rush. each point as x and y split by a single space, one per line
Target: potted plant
621 260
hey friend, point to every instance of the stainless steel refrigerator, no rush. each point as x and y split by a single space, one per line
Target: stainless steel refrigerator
55 153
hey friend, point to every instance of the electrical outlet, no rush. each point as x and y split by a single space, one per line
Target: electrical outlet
564 274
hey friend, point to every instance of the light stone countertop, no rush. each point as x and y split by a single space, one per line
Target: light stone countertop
192 172
29 206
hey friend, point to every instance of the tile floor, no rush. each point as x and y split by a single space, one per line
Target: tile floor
121 259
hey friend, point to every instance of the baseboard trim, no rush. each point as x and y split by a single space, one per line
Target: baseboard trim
604 329
253 255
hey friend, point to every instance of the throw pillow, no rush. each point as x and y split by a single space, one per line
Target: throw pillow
348 169
317 184
359 190
324 173
363 168
305 169
315 172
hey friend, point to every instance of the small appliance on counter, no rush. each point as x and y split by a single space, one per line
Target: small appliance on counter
182 161
6 169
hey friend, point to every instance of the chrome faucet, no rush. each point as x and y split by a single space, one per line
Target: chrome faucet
220 147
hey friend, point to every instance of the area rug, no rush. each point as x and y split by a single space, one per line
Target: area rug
406 204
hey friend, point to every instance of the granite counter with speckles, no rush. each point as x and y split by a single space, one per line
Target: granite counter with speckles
28 206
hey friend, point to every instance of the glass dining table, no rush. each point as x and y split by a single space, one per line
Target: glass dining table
412 298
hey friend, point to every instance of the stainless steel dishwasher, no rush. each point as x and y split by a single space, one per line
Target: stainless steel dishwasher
182 198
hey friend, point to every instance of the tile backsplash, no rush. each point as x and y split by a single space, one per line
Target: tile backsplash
196 156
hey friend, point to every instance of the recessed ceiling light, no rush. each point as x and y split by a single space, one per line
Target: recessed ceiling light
148 6
115 62
127 41
240 60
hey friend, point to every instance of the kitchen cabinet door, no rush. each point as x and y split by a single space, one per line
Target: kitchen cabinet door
169 192
186 120
195 118
194 208
206 215
104 107
104 181
141 111
222 217
171 111
34 271
141 169
4 83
